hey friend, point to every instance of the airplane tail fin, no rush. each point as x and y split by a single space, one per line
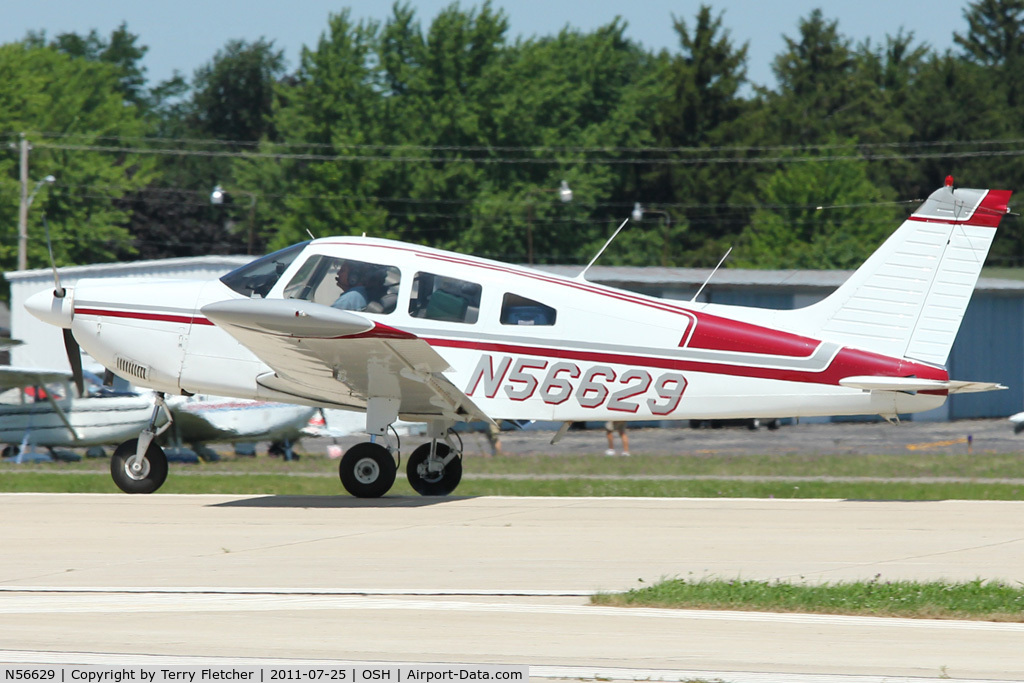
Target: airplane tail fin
908 298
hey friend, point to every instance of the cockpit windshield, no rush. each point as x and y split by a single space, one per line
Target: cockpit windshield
255 279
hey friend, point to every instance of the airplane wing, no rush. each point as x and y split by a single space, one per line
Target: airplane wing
912 384
11 377
340 358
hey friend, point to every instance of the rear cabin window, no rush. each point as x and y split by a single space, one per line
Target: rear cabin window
346 284
518 310
438 297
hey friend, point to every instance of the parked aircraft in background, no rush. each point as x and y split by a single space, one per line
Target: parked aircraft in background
436 337
201 419
1018 422
43 408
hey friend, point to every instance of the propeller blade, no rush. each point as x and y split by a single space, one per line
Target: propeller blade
58 290
75 359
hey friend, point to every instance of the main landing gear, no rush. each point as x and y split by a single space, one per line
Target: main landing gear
140 465
368 469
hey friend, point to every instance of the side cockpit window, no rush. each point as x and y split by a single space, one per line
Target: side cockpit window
518 310
438 297
257 278
347 284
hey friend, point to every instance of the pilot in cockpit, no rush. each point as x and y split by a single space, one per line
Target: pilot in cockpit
350 279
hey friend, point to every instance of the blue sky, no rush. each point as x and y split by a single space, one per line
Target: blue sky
185 34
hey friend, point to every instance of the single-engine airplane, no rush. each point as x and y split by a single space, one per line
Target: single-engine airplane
41 408
404 331
200 419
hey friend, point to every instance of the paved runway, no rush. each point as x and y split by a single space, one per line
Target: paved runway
174 579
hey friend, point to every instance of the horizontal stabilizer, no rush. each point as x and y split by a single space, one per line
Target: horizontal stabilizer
911 384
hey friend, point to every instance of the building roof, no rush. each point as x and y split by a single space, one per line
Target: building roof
162 266
737 277
617 276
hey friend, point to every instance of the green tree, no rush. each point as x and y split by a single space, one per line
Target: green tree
120 50
818 215
698 109
328 110
233 95
568 108
995 35
826 90
77 104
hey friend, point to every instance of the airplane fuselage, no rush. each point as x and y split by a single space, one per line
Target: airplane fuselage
520 343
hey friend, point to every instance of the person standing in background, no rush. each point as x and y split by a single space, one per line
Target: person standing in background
610 428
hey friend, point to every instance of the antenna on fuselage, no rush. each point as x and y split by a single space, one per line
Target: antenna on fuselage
720 262
601 251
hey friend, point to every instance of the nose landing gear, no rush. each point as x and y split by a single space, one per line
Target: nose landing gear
140 465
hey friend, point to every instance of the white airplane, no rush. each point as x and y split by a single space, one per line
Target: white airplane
202 419
443 338
42 408
1018 422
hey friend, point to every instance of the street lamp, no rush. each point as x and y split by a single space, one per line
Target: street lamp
564 196
26 202
217 198
638 215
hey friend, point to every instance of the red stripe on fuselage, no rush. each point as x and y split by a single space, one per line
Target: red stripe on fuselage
847 363
139 315
722 334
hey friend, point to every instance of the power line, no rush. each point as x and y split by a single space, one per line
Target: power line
549 149
401 154
662 161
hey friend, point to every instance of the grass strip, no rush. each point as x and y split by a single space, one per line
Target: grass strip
283 484
972 600
979 465
909 465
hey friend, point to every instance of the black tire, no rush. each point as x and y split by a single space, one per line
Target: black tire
435 484
152 475
367 470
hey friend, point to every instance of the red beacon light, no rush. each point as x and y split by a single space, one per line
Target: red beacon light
949 181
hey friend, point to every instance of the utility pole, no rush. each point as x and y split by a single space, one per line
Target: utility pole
23 206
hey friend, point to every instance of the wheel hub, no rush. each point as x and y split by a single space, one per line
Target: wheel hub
431 471
137 469
367 471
